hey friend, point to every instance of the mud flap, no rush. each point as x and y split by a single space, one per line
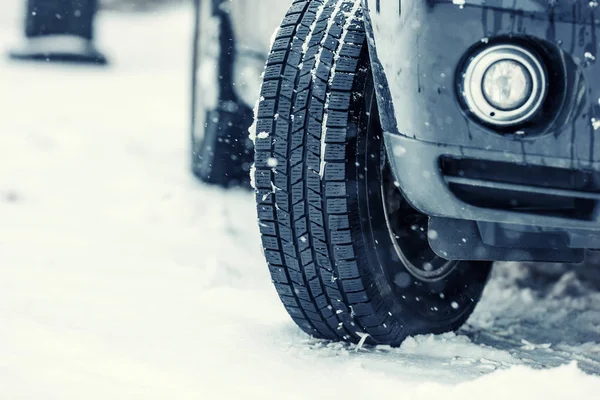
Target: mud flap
456 239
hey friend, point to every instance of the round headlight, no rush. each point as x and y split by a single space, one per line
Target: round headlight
507 85
504 85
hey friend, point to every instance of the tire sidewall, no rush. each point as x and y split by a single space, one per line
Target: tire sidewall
419 305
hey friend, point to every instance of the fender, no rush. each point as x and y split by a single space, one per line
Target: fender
385 103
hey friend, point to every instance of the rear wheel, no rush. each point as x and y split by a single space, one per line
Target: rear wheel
221 152
348 255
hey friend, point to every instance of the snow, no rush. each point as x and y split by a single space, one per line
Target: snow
121 277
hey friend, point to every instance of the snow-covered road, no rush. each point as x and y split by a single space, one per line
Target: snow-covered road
121 277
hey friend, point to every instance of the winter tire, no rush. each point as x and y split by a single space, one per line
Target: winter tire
349 257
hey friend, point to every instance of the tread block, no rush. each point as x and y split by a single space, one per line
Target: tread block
331 43
288 248
327 57
289 74
264 125
346 64
300 102
294 311
262 144
352 285
339 101
357 297
267 108
313 144
297 192
310 270
269 89
285 233
341 237
265 213
316 288
284 31
338 222
356 37
342 82
280 180
343 252
262 179
337 206
297 7
296 277
291 19
282 289
306 257
289 301
276 57
313 161
317 232
335 171
323 261
284 108
351 50
273 72
270 242
335 152
335 189
283 217
299 120
292 263
322 73
316 110
264 198
280 147
335 135
281 43
337 119
301 229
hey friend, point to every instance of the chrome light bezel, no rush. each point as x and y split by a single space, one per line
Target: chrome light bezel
473 79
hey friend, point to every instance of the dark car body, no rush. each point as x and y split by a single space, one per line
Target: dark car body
525 193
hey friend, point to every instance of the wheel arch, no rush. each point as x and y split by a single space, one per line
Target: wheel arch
385 105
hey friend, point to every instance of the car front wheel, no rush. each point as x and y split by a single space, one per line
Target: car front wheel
348 255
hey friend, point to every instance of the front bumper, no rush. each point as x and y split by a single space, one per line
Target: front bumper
469 218
417 167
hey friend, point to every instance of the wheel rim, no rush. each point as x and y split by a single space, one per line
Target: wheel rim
409 235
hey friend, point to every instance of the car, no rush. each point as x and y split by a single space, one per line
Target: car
401 147
230 46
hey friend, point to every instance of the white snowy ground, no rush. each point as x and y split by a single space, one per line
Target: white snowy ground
121 277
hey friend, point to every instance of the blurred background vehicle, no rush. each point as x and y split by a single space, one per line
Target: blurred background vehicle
60 30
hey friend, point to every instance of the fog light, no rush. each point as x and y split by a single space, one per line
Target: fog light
507 85
504 85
